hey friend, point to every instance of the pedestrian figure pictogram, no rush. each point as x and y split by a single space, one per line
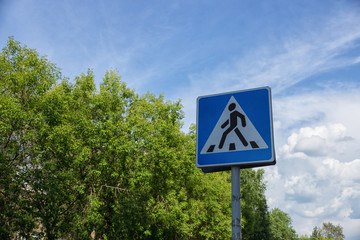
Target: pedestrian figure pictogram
234 115
234 131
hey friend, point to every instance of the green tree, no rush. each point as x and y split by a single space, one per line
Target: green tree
25 77
305 237
77 162
315 233
328 231
280 225
254 210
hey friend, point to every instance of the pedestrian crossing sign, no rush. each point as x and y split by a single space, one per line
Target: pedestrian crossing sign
235 129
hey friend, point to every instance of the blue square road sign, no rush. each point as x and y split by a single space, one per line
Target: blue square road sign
235 129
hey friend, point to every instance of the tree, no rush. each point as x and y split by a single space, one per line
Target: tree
78 163
305 237
280 225
328 231
22 86
315 233
254 210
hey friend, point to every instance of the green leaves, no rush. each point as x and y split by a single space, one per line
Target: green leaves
328 231
24 79
254 209
281 225
77 162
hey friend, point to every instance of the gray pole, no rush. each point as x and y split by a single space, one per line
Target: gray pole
235 203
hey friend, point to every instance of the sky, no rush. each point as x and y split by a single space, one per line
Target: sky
308 52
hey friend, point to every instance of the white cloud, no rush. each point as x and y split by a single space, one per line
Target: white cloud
280 66
331 114
311 185
317 178
318 141
293 59
348 171
313 145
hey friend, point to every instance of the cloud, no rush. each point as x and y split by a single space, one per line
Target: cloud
297 188
324 111
313 186
317 49
314 145
316 178
345 172
318 141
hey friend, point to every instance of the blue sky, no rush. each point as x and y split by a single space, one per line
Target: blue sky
308 52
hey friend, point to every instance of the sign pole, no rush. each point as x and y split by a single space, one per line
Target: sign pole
235 130
235 203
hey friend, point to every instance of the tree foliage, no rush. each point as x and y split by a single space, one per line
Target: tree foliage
25 78
79 162
281 225
328 231
254 210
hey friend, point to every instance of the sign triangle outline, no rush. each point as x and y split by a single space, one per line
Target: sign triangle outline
232 142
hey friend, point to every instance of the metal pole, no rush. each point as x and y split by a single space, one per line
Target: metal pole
235 203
